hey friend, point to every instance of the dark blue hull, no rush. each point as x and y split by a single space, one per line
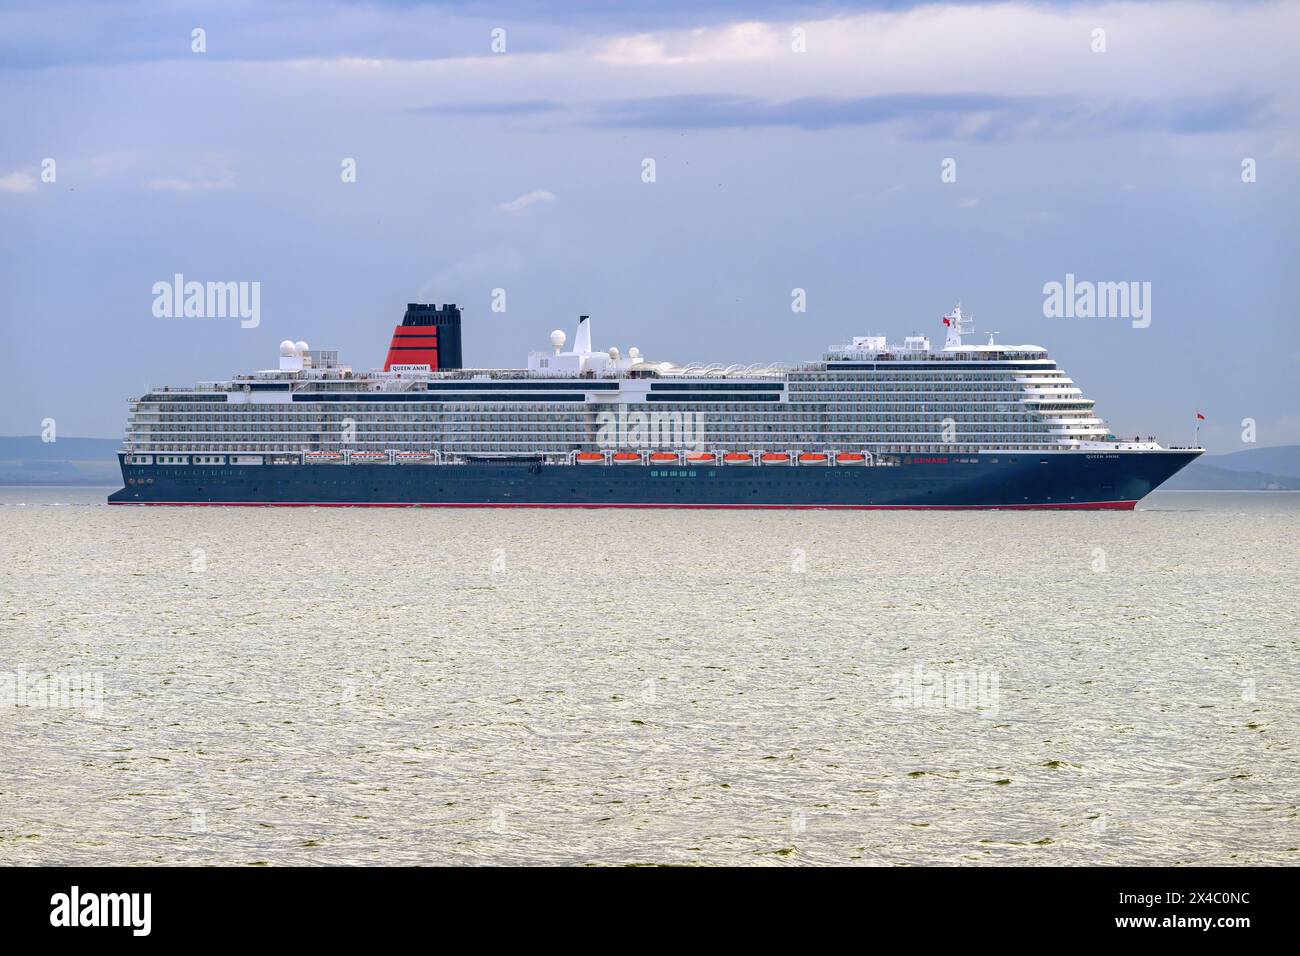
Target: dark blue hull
1018 480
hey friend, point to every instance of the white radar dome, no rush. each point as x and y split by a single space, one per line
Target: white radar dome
557 339
634 353
287 349
301 346
613 354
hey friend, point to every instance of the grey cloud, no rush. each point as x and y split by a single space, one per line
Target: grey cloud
973 116
37 34
507 108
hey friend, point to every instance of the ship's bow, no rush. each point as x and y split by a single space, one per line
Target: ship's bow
1158 467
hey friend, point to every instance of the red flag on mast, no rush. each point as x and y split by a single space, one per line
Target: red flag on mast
1200 417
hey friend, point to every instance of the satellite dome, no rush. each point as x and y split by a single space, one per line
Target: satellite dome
557 339
634 353
287 348
613 354
301 346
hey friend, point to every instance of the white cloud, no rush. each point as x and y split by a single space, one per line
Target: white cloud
1183 63
19 181
516 206
200 183
107 165
736 41
1186 47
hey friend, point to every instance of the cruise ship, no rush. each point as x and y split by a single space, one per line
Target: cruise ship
869 425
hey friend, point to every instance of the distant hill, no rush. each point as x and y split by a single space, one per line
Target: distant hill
1255 469
1279 460
31 448
1202 477
27 460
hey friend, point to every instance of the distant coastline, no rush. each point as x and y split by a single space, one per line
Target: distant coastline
27 460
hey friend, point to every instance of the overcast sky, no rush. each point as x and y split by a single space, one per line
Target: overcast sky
775 169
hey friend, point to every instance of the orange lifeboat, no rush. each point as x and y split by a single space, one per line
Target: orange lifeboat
590 458
663 458
627 458
776 458
738 458
813 458
702 458
850 458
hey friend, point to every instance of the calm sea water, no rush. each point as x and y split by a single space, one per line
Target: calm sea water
245 686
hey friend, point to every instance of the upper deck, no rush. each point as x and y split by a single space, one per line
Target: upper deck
867 395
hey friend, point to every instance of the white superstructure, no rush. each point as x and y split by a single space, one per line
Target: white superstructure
865 396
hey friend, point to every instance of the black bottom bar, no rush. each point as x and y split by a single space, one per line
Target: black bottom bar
1226 907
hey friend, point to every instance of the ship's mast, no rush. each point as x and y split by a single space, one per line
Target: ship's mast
958 325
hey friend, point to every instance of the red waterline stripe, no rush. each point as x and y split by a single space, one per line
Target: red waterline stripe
1071 506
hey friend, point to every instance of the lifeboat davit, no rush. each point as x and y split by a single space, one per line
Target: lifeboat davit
776 458
850 458
663 458
738 458
813 458
627 458
590 458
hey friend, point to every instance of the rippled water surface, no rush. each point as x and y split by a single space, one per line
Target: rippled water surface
459 686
